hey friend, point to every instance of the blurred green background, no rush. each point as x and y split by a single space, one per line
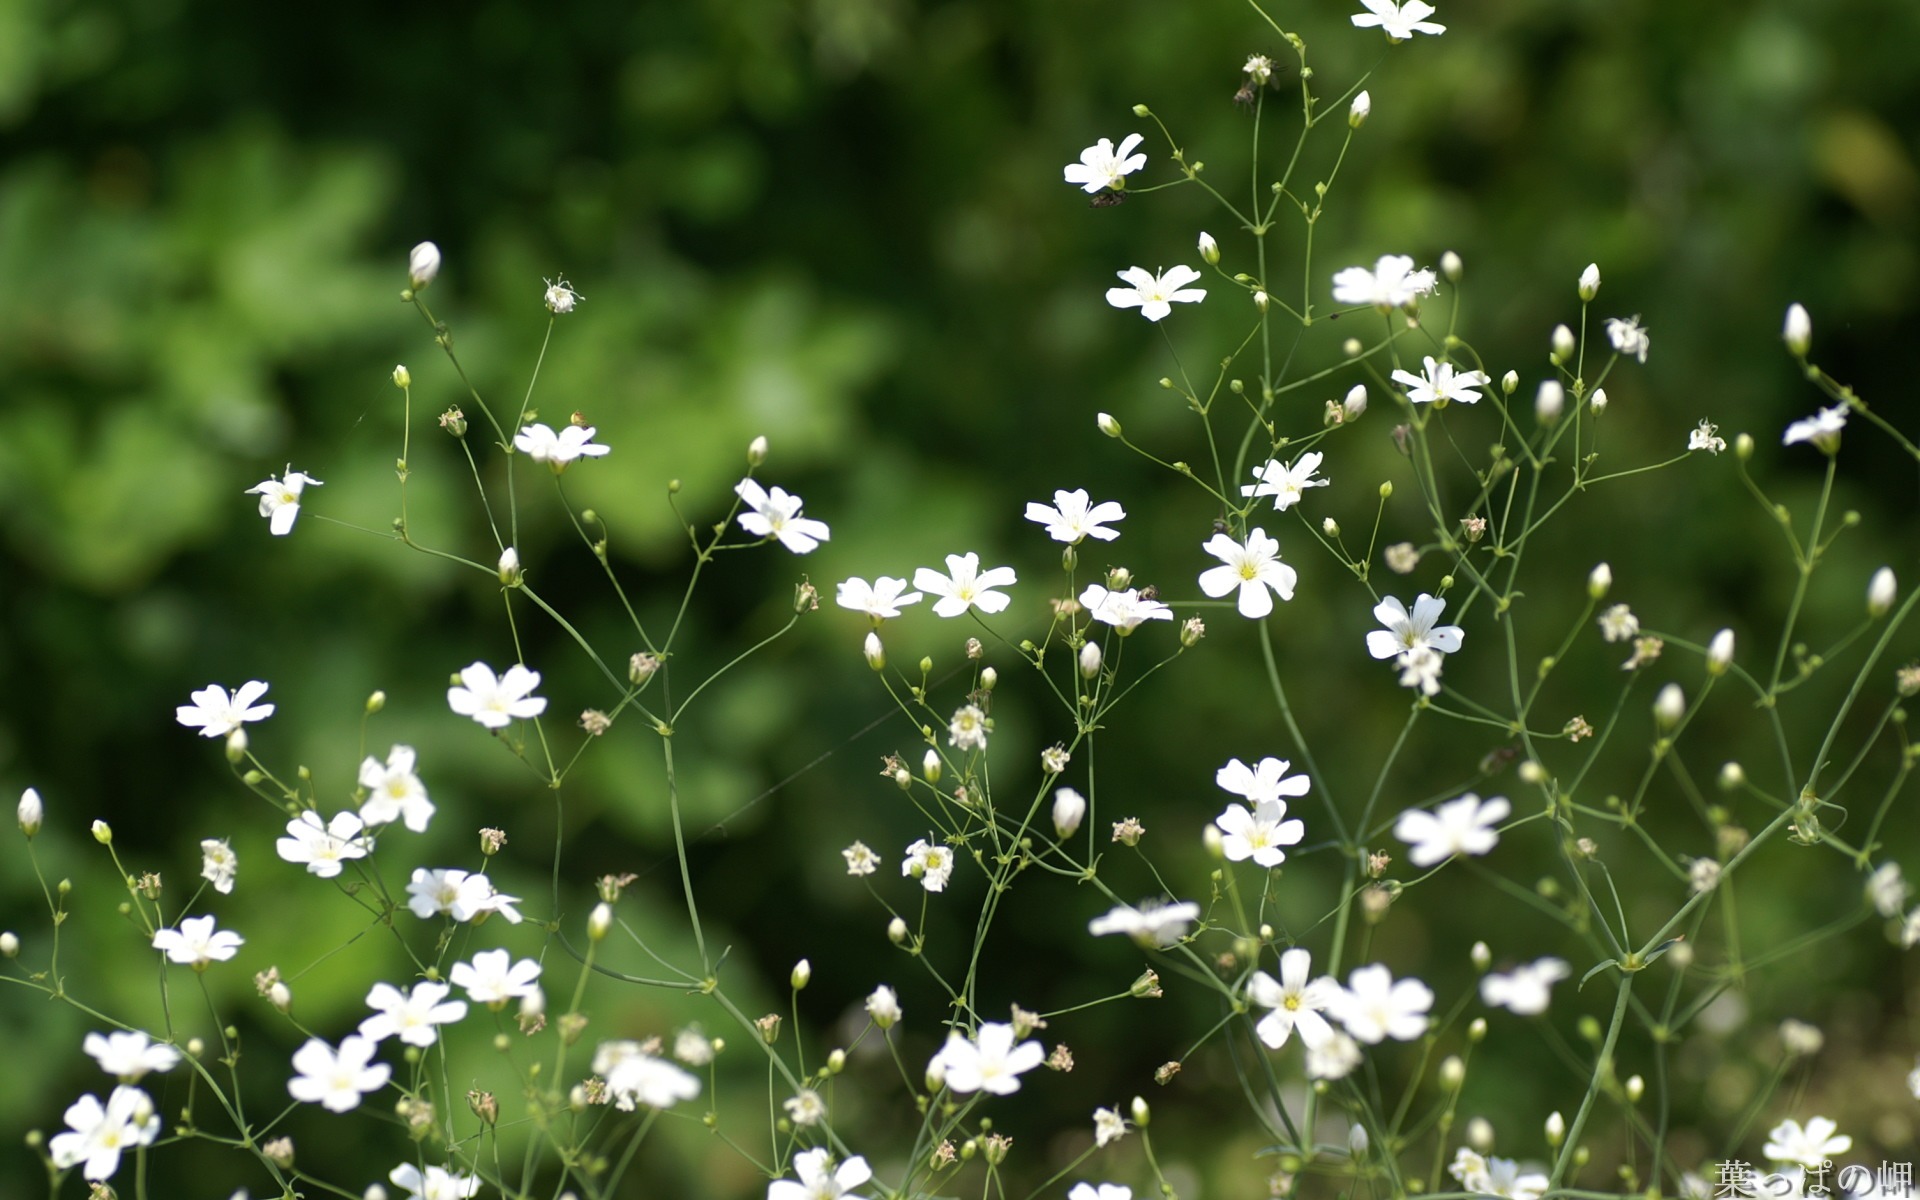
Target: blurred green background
841 224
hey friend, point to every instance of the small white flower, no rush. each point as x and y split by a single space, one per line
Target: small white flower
1618 623
1101 165
1628 338
394 791
1822 428
1072 518
932 865
1420 668
884 1007
1461 826
1334 1059
965 586
1704 437
30 812
197 943
1125 611
805 1107
216 714
218 864
1285 484
560 296
492 978
457 894
989 1062
1526 989
880 600
337 1080
635 1077
129 1054
1152 924
1259 68
1440 381
496 700
819 1179
1393 282
1404 631
322 848
1819 1141
1703 874
1296 1001
1264 783
776 514
1258 833
437 1183
280 499
423 263
413 1016
1069 809
860 859
1399 21
1887 890
693 1047
98 1134
1374 1007
1253 567
968 729
558 450
1155 295
1108 1126
1105 1191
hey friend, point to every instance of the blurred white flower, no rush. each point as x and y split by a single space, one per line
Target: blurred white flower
394 791
1628 338
1374 1007
558 450
1461 826
197 943
322 848
880 600
337 1079
1526 989
129 1054
218 864
1393 282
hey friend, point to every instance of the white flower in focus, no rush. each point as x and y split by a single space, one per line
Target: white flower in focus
1618 623
197 943
218 864
1887 890
322 848
1461 826
492 978
496 700
1822 428
1285 484
1258 833
1101 165
1526 989
1296 1001
129 1054
989 1062
1334 1059
1105 1191
819 1180
558 450
337 1080
1808 1147
560 296
1393 283
965 586
1072 518
1151 924
636 1077
968 729
1704 437
1155 295
1406 631
98 1134
280 499
1440 381
414 1016
458 895
1628 338
883 1006
776 514
1108 1126
1420 668
1125 611
394 791
880 600
932 865
1254 568
216 714
1263 783
1374 1007
437 1183
860 859
1398 21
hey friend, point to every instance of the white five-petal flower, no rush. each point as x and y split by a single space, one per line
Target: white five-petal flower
437 1183
1263 782
1101 165
881 600
216 714
129 1054
1258 832
337 1079
776 514
197 943
459 895
1072 518
558 450
1460 826
1819 1140
965 585
1124 611
1406 631
1399 21
323 848
99 1133
496 700
1526 989
1393 283
932 865
1285 484
218 864
1822 428
1155 295
412 1016
819 1178
1374 1007
394 791
280 499
1253 567
989 1062
1440 381
1296 1002
491 978
1154 923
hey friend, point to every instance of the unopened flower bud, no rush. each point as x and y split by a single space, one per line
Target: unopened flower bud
484 1105
641 667
769 1027
1598 401
757 451
1355 402
1386 490
10 944
1743 447
1261 299
103 833
1880 592
1549 401
1720 652
1798 331
1590 281
1510 382
1069 809
1556 1129
1480 1134
903 778
1213 841
1358 110
599 921
1452 267
1477 1030
802 975
1453 1072
1330 527
989 679
1090 660
1561 344
1636 1087
1481 956
1599 581
423 264
402 378
1141 1113
31 813
1357 1143
280 996
836 1061
1108 425
1669 706
509 567
936 1078
279 1151
1209 249
930 766
897 930
875 652
1141 110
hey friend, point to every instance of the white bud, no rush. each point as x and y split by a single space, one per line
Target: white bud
1732 775
988 678
1090 660
1355 402
757 451
1549 401
534 1003
423 264
1358 110
1452 267
1453 1072
1069 809
1720 652
1330 527
936 1075
1880 592
1590 281
1477 1030
9 944
930 765
103 833
1556 1129
280 996
1636 1088
1209 249
1482 957
1213 841
1510 382
1669 706
897 930
510 567
1141 1113
802 974
599 921
1480 1134
376 1192
402 378
1357 1142
1598 401
875 652
1561 343
31 813
1107 425
1599 580
1798 331
1261 300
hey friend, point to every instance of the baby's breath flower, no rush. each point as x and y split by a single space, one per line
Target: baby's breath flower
423 263
560 297
1628 337
1392 283
968 729
1645 650
1156 294
1102 165
1108 1126
1398 20
1401 558
218 864
860 859
1618 623
1129 831
1704 437
930 864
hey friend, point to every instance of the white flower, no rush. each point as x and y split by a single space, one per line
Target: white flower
1590 281
776 514
805 1107
457 894
1495 1177
1808 1147
30 812
99 1133
414 1016
1420 668
1152 924
558 450
1296 1002
1703 438
965 585
216 714
819 1180
129 1054
560 296
880 600
1461 826
989 1062
496 700
218 864
1254 568
1108 1126
437 1183
1618 623
1072 518
280 499
1258 833
693 1047
1069 809
635 1077
1439 381
1526 989
1124 611
491 978
1103 166
337 1080
931 865
1822 428
394 791
423 263
1887 889
1398 21
1263 783
1703 874
1338 1056
1374 1007
1406 631
1155 295
883 1006
1105 1191
1627 337
1285 484
197 943
322 848
1393 283
860 859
